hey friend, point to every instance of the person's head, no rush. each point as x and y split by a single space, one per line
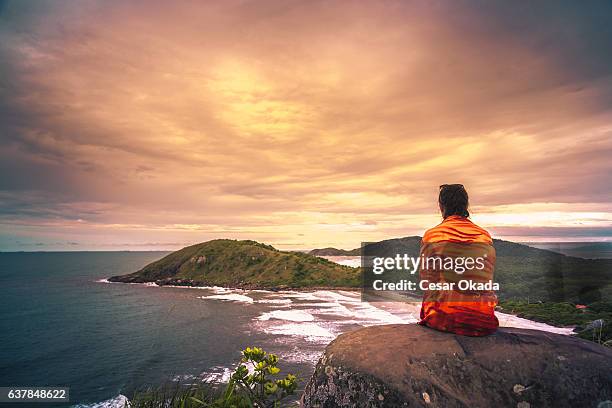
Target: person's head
453 200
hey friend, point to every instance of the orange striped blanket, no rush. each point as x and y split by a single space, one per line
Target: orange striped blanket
460 310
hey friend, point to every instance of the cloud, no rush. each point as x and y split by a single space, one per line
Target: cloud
276 120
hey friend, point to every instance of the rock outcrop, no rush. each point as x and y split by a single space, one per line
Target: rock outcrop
414 366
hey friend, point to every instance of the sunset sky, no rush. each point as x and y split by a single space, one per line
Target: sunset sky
153 125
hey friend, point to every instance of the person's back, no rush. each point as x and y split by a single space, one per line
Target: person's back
467 312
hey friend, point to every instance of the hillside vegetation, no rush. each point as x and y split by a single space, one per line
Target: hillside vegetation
243 264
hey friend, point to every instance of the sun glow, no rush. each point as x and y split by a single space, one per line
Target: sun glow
300 125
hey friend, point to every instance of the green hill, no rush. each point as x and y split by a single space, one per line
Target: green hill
243 264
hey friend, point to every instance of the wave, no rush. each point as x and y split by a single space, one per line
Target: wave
230 297
342 303
218 374
290 315
276 301
217 289
297 295
301 355
119 401
349 304
340 295
318 304
321 315
104 280
508 320
310 331
183 378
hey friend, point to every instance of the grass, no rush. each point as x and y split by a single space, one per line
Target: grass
593 323
246 264
255 383
175 396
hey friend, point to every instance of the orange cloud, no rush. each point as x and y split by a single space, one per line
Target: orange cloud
300 124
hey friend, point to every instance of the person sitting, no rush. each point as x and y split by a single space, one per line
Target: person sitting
465 312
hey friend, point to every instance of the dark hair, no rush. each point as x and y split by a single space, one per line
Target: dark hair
453 200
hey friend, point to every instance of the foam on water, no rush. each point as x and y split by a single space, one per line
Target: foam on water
214 289
300 355
128 283
507 320
276 301
349 309
290 315
329 309
230 297
183 378
218 374
339 303
327 305
297 295
321 315
349 305
217 289
117 402
350 294
341 296
377 316
310 331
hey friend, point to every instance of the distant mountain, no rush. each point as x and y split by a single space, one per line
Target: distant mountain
402 245
588 250
243 264
335 252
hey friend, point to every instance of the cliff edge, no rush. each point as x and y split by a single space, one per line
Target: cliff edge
414 366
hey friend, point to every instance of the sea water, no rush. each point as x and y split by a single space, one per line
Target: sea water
63 325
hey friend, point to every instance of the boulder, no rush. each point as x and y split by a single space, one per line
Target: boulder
414 366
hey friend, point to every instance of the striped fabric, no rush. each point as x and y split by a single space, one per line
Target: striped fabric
466 312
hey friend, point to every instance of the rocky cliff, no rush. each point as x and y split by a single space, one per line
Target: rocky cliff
414 366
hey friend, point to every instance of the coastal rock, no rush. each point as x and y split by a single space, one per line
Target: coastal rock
414 366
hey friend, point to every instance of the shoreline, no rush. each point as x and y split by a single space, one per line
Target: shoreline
188 283
505 315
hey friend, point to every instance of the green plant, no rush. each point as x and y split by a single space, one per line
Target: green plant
593 323
255 376
254 384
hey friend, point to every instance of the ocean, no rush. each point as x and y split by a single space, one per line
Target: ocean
64 325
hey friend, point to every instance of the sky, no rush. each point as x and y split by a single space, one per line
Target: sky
128 125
